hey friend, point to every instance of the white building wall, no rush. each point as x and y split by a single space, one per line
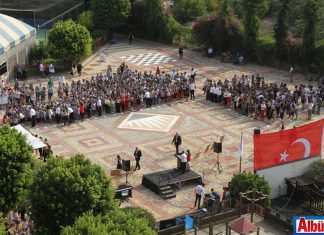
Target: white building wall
276 175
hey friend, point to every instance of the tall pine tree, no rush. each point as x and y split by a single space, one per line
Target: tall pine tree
251 22
308 45
281 30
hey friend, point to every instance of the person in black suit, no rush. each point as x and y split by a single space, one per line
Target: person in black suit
137 155
177 142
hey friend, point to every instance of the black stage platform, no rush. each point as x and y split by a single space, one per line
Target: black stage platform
155 181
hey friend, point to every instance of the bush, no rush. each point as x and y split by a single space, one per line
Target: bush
219 31
187 10
266 50
64 189
248 181
16 169
98 33
316 172
142 213
171 31
86 19
127 221
2 225
38 52
68 40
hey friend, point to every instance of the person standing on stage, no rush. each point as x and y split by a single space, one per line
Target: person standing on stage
183 159
119 162
137 155
200 192
177 142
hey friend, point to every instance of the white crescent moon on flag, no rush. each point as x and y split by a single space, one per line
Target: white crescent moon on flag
306 143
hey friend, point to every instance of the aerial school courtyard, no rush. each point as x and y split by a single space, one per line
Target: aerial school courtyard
199 123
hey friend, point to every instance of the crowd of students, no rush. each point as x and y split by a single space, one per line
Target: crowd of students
254 97
119 91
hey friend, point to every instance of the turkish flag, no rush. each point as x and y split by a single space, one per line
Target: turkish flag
287 146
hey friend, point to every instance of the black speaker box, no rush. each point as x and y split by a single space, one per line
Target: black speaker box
164 224
126 165
257 131
217 147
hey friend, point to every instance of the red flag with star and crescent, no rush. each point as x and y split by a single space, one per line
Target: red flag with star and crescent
281 147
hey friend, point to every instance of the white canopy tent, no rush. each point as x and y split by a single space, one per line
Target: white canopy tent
35 142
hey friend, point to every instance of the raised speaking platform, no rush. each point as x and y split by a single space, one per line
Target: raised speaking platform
164 182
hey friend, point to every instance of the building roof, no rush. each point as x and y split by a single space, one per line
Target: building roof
243 226
13 32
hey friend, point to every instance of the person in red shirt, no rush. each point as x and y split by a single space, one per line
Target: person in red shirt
188 159
5 119
158 72
82 111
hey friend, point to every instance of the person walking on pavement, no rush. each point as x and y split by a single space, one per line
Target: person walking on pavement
200 192
177 142
130 38
137 155
192 87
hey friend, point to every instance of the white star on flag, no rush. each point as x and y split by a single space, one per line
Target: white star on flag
284 156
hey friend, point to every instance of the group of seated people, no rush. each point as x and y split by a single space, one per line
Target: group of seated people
226 57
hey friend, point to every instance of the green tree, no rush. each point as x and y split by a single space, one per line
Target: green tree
16 165
212 5
316 172
281 30
219 30
238 6
38 52
63 190
308 44
86 19
109 14
68 40
154 18
248 181
251 23
2 225
187 10
130 221
320 56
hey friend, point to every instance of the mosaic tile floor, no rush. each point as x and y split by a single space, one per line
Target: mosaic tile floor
200 123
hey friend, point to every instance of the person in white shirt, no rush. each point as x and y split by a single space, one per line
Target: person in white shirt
32 114
71 115
192 87
147 96
58 114
200 192
291 73
210 52
183 159
41 70
99 106
62 79
193 74
51 69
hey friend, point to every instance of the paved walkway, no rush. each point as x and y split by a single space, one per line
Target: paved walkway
199 123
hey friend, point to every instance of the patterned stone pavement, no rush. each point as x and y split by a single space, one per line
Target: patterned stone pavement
199 123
